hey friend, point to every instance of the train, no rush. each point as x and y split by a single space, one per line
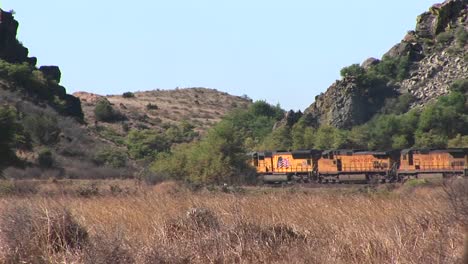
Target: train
358 166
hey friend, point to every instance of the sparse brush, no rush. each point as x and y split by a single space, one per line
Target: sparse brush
167 223
32 234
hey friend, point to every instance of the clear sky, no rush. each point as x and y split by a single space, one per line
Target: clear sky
283 52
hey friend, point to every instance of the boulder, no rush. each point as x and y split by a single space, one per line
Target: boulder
51 72
369 62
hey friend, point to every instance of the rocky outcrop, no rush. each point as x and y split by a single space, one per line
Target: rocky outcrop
51 72
434 63
11 50
346 103
89 98
439 17
433 75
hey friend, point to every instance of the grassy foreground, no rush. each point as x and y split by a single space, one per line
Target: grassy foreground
168 223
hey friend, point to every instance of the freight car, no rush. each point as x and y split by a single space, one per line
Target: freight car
283 166
433 163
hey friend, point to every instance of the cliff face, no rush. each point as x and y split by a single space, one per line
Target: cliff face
11 50
436 56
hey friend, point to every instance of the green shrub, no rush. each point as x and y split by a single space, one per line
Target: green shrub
110 134
104 112
444 38
460 86
145 144
111 157
417 182
217 158
393 68
353 70
45 158
461 36
458 142
128 95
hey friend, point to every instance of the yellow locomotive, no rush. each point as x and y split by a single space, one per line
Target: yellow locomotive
337 166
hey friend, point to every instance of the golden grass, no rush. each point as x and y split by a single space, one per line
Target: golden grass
260 226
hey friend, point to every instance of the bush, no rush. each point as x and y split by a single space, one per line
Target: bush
145 144
458 142
217 158
393 68
43 128
444 38
128 95
103 111
354 70
461 36
111 157
88 190
45 158
460 86
151 106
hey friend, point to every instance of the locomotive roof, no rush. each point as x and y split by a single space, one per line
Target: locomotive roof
373 152
340 151
450 150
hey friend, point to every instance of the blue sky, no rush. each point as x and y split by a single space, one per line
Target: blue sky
283 52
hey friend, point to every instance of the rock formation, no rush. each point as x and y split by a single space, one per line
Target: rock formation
436 51
11 50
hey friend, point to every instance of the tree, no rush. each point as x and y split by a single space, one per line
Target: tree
8 128
218 158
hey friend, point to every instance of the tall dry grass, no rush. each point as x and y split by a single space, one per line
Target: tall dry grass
170 224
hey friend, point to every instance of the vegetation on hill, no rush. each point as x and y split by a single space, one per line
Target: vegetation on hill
7 135
32 81
443 123
220 157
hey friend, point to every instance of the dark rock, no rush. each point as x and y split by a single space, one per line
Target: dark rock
11 50
425 25
51 72
413 50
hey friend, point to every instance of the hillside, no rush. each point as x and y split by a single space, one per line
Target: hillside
423 65
45 132
200 107
41 126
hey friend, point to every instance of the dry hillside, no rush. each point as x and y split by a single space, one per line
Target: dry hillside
201 107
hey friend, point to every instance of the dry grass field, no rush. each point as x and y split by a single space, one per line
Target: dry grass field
124 222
